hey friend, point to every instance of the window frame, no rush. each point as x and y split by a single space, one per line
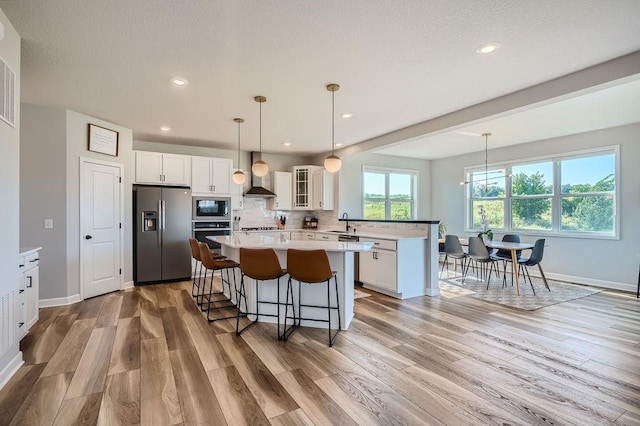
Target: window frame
556 197
414 174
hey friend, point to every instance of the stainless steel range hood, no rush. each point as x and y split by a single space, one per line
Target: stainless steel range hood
257 190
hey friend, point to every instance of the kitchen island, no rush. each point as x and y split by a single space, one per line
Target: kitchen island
341 259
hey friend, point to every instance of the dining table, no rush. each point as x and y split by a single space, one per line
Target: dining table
511 247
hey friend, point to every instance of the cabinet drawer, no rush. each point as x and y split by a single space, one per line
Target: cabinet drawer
380 244
31 261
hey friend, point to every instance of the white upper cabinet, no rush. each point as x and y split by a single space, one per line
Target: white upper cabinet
302 187
211 176
312 188
322 194
163 169
282 188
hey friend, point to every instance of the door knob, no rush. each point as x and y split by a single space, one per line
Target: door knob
88 237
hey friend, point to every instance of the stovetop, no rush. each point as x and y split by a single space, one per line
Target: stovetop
260 228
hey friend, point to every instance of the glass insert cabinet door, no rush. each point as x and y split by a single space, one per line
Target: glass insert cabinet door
302 187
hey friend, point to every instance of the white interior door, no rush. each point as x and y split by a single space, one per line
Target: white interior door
100 237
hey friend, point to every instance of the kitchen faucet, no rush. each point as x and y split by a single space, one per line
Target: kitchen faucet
345 216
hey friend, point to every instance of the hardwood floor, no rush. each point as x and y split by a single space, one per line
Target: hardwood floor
148 356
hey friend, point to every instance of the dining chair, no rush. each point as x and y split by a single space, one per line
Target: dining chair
505 255
453 249
478 254
533 260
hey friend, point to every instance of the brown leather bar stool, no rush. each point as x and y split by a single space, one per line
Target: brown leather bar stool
197 272
312 267
261 265
222 265
197 267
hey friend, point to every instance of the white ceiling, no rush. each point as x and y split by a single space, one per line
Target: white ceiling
398 63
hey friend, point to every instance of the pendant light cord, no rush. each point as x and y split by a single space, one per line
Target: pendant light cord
239 146
486 162
260 130
333 125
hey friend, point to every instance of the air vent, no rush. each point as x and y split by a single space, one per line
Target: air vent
7 93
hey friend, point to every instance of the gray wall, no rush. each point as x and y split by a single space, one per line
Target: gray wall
10 188
350 181
53 142
608 263
43 189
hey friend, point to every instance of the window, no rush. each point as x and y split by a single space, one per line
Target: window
388 194
572 194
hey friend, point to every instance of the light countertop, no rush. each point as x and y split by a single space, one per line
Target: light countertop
25 251
265 241
382 233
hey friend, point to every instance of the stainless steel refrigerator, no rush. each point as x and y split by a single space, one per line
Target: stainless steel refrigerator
161 250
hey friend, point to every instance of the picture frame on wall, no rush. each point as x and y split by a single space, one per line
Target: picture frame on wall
103 140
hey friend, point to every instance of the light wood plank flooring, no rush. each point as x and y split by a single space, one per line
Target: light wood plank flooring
148 356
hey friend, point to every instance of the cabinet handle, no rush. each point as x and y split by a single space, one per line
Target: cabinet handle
34 260
30 281
214 188
20 324
21 291
21 266
277 204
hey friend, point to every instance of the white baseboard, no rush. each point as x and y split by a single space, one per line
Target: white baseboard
613 285
58 301
128 284
10 369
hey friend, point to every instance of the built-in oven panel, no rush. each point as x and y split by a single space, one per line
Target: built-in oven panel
211 208
203 229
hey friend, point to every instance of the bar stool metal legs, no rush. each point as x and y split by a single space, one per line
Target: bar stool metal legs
261 265
312 268
224 266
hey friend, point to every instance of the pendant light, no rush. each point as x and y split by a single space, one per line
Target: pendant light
260 168
497 174
238 176
333 163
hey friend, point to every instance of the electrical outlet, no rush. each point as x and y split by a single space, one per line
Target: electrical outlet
48 223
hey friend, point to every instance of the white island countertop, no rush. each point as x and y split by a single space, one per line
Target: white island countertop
238 240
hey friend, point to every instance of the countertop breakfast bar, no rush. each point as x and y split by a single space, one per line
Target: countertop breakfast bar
340 257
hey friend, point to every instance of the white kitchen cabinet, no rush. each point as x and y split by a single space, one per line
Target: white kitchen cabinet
326 237
281 186
302 187
28 296
237 202
322 193
211 176
312 188
378 268
162 169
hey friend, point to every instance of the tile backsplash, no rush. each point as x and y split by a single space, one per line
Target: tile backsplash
257 212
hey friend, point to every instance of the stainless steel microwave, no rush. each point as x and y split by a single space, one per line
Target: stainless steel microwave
211 208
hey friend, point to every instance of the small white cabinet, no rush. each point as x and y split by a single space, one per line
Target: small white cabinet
158 168
237 202
322 194
211 176
28 293
281 186
378 266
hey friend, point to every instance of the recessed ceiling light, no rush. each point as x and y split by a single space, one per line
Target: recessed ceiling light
286 143
488 48
338 144
178 81
347 115
165 128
